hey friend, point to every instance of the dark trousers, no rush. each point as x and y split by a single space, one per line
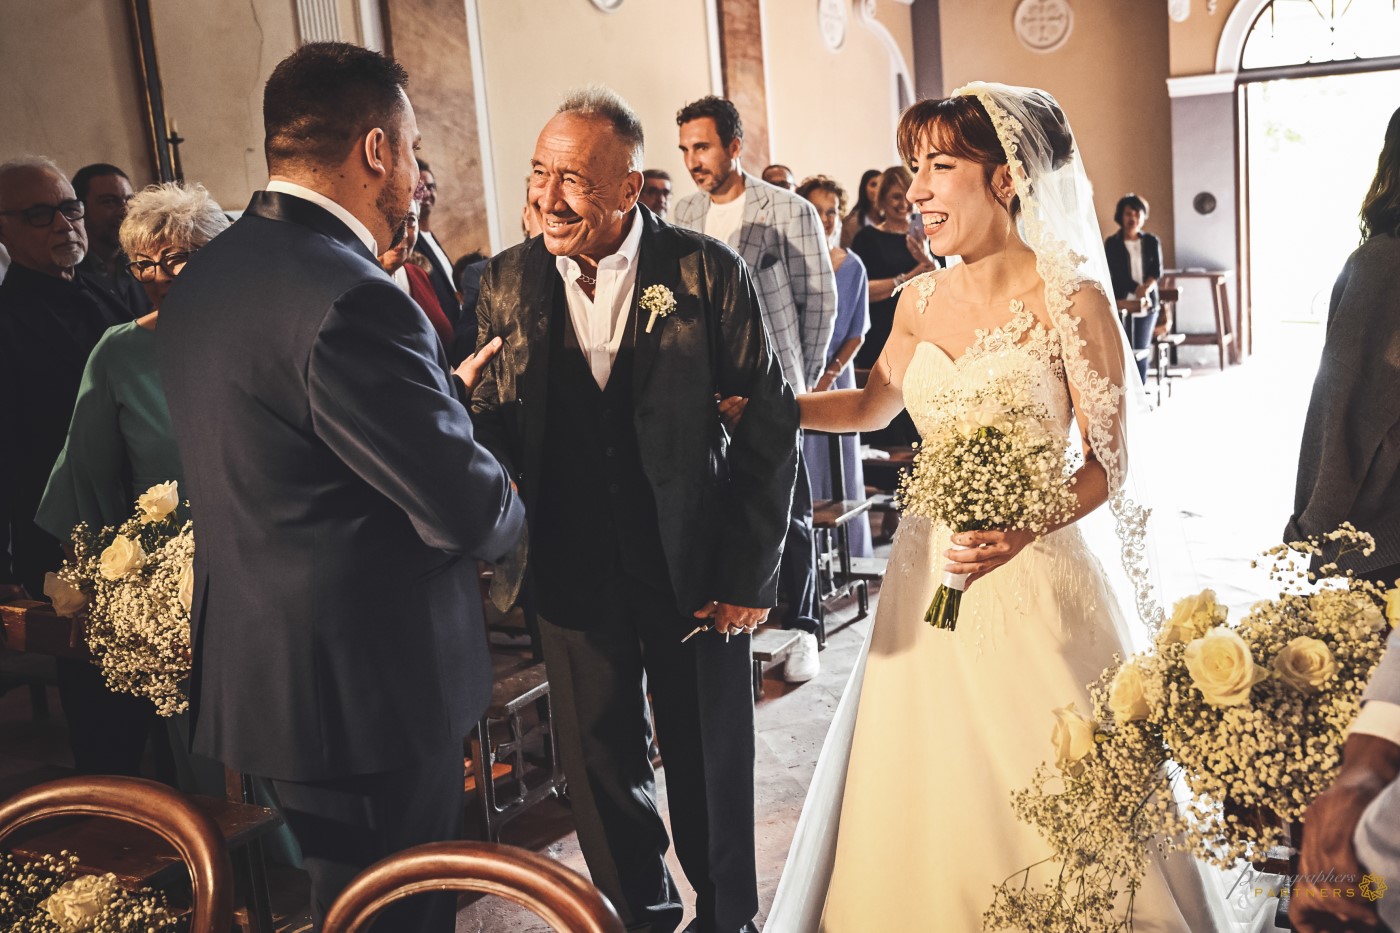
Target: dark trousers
1140 329
797 574
702 696
346 824
107 731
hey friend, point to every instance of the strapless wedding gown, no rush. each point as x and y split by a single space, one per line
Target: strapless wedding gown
908 823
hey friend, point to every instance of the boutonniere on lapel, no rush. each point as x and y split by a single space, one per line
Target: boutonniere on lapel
658 301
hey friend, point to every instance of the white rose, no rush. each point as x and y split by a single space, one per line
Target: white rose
1222 667
159 501
67 599
1073 737
121 557
187 585
1305 664
1192 617
1392 605
1126 697
75 906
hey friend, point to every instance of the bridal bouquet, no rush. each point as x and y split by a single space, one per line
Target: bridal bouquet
137 581
988 464
45 897
1208 743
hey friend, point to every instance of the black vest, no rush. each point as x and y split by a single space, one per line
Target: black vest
595 517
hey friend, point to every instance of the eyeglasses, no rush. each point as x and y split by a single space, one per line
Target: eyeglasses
144 270
41 215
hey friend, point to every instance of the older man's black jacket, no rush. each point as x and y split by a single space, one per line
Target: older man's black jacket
722 499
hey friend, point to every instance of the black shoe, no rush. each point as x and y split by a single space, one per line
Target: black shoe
694 927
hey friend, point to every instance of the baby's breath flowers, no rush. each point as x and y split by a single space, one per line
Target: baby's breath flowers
1209 743
139 581
989 463
44 896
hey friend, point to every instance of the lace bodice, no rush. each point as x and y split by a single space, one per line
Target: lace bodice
1021 348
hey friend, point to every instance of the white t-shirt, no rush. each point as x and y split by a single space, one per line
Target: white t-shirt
723 221
1134 258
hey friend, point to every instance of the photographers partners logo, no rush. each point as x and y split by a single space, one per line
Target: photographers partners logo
1369 887
1373 887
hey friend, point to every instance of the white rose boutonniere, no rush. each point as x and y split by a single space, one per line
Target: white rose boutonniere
1305 664
1073 737
1127 696
121 557
67 598
158 501
1222 667
76 905
658 301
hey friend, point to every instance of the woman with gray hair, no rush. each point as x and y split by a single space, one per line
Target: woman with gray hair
120 441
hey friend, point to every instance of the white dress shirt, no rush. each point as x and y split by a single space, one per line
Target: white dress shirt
600 321
426 237
320 200
1380 719
1134 248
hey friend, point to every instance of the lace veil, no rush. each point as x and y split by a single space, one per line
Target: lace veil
1057 220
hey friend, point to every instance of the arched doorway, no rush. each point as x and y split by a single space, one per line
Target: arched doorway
1317 80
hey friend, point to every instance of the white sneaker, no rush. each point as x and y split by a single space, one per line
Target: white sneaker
802 663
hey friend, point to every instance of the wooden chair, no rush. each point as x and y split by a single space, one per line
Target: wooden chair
1224 336
165 812
511 694
562 898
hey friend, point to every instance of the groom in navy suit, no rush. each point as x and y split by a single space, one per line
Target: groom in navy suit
339 497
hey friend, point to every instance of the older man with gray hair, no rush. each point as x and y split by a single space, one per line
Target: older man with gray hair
655 535
51 316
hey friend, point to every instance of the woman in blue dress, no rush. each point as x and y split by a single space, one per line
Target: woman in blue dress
852 321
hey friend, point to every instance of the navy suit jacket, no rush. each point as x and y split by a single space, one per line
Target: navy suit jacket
339 500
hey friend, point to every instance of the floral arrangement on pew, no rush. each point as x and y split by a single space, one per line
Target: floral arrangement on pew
137 583
44 896
1211 742
988 463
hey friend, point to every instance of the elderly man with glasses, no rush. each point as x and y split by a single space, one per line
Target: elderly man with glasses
51 316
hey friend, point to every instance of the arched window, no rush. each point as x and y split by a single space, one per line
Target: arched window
1300 32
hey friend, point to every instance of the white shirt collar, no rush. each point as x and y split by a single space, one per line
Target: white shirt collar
320 200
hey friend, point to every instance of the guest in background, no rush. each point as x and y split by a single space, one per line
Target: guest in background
414 279
105 190
782 243
852 321
866 213
780 176
656 192
1349 470
439 264
51 317
1135 264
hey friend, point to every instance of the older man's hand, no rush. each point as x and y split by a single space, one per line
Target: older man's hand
1329 851
726 619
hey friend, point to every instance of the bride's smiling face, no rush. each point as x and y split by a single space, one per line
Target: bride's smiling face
965 212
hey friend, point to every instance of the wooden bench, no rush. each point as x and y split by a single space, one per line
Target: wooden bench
770 646
510 696
140 860
834 578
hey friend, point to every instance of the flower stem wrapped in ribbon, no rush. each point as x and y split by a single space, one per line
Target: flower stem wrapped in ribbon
989 464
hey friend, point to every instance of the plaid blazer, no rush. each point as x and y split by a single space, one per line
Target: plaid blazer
782 243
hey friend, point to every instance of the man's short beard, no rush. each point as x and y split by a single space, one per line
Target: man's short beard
394 218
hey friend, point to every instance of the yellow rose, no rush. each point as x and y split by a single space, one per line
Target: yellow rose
187 585
1392 604
159 501
1222 667
76 905
1305 664
1192 617
67 599
1073 737
1126 696
121 557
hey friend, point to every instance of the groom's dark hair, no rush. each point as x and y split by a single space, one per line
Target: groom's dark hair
325 96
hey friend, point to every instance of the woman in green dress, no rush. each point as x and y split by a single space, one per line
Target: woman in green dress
120 441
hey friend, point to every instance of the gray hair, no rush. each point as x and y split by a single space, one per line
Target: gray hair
170 215
605 103
27 163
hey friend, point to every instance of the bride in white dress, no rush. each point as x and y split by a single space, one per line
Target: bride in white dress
908 824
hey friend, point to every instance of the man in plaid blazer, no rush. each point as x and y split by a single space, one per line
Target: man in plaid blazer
781 240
